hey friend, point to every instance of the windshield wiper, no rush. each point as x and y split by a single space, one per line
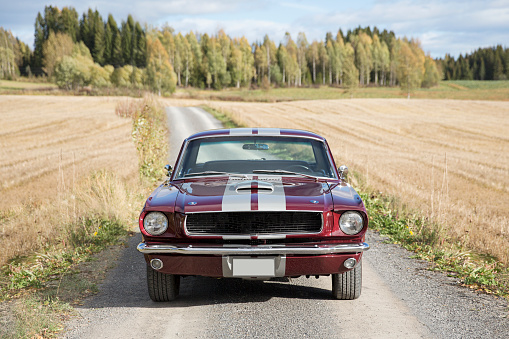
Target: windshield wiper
280 171
217 173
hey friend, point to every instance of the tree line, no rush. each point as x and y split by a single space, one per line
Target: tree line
483 64
14 54
108 43
76 52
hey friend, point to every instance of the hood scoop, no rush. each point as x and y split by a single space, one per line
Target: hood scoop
254 186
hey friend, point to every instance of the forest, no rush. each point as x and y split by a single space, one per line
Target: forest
75 51
483 64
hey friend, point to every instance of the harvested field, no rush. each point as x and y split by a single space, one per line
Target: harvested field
47 143
49 147
448 159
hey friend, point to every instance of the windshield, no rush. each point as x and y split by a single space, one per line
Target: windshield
253 155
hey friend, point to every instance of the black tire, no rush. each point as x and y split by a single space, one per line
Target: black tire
348 285
161 286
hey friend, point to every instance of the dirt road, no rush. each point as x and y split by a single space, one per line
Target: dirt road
400 298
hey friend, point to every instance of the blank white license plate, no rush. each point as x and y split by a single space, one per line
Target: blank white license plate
253 267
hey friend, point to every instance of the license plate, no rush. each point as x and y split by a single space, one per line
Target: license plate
253 267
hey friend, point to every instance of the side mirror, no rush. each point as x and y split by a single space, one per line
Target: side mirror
343 172
168 169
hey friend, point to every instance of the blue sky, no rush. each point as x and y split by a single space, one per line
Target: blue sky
442 26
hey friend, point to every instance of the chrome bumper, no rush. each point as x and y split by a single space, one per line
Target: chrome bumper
253 250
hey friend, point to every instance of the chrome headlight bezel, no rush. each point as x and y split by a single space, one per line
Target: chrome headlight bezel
155 223
351 222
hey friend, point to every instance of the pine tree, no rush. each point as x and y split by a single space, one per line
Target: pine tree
498 69
126 43
108 44
87 29
141 46
482 70
99 39
38 40
70 23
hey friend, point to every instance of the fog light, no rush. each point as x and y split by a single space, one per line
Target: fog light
157 264
350 263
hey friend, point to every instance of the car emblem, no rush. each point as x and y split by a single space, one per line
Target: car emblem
192 203
313 201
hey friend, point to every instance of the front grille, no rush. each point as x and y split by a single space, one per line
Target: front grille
233 223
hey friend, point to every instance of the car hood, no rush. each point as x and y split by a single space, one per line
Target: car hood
253 193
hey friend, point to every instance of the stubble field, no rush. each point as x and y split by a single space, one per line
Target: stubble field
446 159
49 148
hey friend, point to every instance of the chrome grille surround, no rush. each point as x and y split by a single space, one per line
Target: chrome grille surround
253 223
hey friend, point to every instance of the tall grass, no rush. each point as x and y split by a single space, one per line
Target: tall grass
42 226
149 134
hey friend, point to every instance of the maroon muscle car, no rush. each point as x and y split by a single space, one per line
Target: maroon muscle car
254 203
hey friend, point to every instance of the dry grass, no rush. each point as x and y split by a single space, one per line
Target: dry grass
61 158
446 158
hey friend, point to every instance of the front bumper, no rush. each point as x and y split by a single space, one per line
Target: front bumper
217 260
224 250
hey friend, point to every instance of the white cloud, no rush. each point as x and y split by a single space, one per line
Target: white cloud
253 30
442 26
302 7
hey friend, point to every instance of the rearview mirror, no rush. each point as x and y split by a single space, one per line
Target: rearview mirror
258 147
343 172
168 170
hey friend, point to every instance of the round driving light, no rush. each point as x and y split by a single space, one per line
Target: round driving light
350 263
155 223
351 223
157 264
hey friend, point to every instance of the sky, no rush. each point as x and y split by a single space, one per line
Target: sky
442 26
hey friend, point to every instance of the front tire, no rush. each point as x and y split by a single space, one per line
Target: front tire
348 285
161 286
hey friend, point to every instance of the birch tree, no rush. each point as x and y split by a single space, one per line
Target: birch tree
54 49
313 57
324 59
236 63
160 75
410 66
302 45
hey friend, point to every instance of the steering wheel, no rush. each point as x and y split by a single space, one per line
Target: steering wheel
296 168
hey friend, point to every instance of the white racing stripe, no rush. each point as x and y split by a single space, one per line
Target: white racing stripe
241 131
261 131
233 201
274 201
269 131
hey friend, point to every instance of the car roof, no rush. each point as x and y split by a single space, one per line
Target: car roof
255 131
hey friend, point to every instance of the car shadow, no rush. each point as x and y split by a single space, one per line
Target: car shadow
126 286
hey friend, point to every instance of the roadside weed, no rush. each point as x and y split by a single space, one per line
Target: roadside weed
430 243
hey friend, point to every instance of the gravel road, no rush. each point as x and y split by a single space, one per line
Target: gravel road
400 297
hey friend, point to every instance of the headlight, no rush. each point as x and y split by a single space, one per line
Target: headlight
351 223
155 223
